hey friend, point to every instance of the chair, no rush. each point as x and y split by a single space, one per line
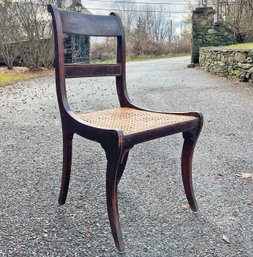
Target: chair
119 129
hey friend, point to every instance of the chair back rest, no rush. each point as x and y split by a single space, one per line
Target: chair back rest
88 25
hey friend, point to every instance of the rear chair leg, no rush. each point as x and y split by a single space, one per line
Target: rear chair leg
190 139
66 169
114 157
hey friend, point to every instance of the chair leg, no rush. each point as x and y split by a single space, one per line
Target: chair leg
114 157
122 166
66 169
190 139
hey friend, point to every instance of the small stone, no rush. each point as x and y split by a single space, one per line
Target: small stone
249 60
244 65
250 70
240 57
191 65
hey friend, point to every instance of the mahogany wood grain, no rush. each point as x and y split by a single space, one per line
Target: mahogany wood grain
92 70
94 25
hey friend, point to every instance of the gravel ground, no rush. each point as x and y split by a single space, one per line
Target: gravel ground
154 215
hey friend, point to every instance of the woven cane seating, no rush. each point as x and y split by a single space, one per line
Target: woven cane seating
117 130
132 121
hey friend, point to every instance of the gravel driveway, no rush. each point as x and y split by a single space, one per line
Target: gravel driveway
154 215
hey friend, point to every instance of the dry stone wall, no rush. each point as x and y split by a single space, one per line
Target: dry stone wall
205 32
231 63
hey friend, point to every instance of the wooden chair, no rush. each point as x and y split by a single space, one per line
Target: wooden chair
117 130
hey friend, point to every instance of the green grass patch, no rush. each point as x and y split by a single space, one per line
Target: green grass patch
153 57
141 58
241 46
108 61
10 78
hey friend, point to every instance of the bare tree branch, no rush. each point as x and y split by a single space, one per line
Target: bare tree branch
127 14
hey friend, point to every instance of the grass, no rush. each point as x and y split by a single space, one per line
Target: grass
153 57
241 46
11 77
141 58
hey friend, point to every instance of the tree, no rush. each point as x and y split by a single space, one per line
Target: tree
160 23
126 9
236 17
157 22
26 32
140 38
9 36
184 41
35 33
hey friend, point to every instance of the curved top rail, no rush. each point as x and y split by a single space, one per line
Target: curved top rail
89 24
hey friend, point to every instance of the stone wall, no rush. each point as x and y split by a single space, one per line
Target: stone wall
205 32
232 63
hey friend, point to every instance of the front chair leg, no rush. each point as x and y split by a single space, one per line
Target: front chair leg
114 157
122 165
66 169
190 139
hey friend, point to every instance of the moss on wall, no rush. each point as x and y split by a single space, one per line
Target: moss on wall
205 32
232 63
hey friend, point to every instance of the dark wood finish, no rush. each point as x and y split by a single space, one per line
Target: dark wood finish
95 25
115 143
92 70
66 170
190 139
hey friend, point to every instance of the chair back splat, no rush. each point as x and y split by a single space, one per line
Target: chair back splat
118 129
